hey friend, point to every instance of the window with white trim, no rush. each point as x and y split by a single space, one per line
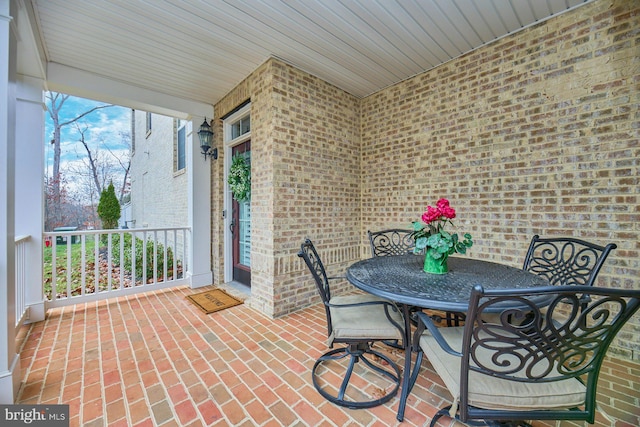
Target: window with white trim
180 160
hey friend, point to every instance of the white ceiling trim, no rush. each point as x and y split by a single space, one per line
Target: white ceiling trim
87 85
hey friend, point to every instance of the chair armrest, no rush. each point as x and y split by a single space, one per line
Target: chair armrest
425 321
387 304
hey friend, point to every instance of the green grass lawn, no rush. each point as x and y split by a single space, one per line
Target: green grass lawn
62 264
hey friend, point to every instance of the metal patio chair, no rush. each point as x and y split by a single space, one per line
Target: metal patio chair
543 366
394 241
566 260
398 241
357 321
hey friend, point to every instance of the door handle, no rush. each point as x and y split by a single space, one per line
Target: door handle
232 225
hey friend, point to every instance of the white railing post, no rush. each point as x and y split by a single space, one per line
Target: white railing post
83 264
96 262
69 266
109 258
54 267
121 244
22 311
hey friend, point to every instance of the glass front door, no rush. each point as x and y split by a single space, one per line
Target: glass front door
241 228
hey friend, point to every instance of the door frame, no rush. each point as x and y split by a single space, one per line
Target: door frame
227 198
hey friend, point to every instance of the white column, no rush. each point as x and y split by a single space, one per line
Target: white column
199 209
29 202
9 360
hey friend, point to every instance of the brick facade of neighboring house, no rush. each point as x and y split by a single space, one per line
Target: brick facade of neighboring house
158 186
536 133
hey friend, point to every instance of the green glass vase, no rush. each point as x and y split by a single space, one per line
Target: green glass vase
435 266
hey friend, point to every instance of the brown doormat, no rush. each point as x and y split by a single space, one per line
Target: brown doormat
213 300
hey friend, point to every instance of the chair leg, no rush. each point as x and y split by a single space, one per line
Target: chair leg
445 412
488 423
347 377
357 353
518 423
393 344
412 309
439 414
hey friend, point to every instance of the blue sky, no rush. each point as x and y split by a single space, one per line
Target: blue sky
104 135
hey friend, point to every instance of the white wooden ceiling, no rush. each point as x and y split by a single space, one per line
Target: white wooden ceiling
201 49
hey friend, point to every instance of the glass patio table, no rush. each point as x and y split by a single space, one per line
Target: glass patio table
402 279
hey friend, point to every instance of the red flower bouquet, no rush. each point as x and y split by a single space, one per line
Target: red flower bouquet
430 234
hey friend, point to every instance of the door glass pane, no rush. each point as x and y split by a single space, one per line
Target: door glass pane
245 233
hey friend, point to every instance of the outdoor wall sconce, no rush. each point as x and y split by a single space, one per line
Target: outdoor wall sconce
205 134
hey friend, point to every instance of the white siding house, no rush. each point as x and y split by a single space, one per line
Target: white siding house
158 171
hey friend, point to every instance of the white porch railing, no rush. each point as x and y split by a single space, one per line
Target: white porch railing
81 266
22 312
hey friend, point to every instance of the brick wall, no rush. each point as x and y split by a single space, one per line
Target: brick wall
534 134
316 180
305 182
256 88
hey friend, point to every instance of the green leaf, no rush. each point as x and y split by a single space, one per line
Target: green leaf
421 243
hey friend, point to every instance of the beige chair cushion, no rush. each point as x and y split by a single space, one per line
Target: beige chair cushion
497 393
367 321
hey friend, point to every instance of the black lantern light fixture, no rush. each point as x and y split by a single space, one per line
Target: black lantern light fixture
205 134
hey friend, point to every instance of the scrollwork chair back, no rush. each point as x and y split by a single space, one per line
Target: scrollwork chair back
566 261
546 350
391 242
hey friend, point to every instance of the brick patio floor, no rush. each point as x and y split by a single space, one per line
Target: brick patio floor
154 359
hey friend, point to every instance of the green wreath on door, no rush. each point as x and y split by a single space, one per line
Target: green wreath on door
240 178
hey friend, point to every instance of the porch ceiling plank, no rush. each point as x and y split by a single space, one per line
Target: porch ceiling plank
247 29
454 26
151 46
524 14
436 38
200 50
474 15
306 43
149 52
494 21
369 30
538 10
335 30
409 18
344 32
201 28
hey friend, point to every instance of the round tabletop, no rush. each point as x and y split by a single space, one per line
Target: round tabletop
402 279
